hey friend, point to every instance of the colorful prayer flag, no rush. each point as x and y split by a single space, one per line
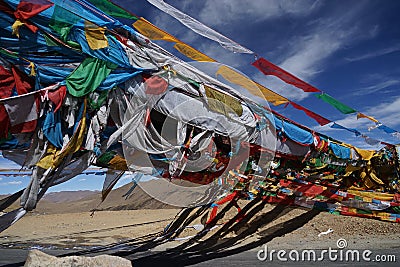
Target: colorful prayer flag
336 104
95 36
318 118
269 68
361 115
152 32
192 53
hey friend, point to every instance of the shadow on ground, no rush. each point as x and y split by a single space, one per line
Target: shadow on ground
202 248
219 244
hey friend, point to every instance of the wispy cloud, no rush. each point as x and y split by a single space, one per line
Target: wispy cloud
213 12
81 180
378 53
388 112
308 53
376 87
11 183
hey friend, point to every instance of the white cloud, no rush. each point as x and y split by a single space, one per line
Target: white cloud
12 183
82 179
226 12
378 53
376 87
308 52
387 113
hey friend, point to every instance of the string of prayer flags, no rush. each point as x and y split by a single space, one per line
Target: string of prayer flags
261 64
269 68
336 104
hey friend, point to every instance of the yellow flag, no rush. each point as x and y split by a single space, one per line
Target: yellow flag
47 160
118 163
254 88
222 103
192 53
360 115
365 154
152 32
15 27
95 36
54 157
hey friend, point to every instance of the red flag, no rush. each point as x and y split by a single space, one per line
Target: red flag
4 122
7 83
23 83
321 120
269 68
57 96
28 9
155 85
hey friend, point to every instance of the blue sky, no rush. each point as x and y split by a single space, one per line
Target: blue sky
348 49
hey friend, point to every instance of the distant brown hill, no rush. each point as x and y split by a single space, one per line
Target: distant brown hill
85 201
68 196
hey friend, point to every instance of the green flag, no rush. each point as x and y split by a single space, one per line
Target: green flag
336 104
112 9
88 76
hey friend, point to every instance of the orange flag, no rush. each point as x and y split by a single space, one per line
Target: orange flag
152 32
192 53
254 88
360 115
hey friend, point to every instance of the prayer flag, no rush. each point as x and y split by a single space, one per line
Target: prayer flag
338 126
199 27
28 9
192 53
336 104
253 87
360 115
112 9
88 76
318 118
152 32
95 36
269 68
222 103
